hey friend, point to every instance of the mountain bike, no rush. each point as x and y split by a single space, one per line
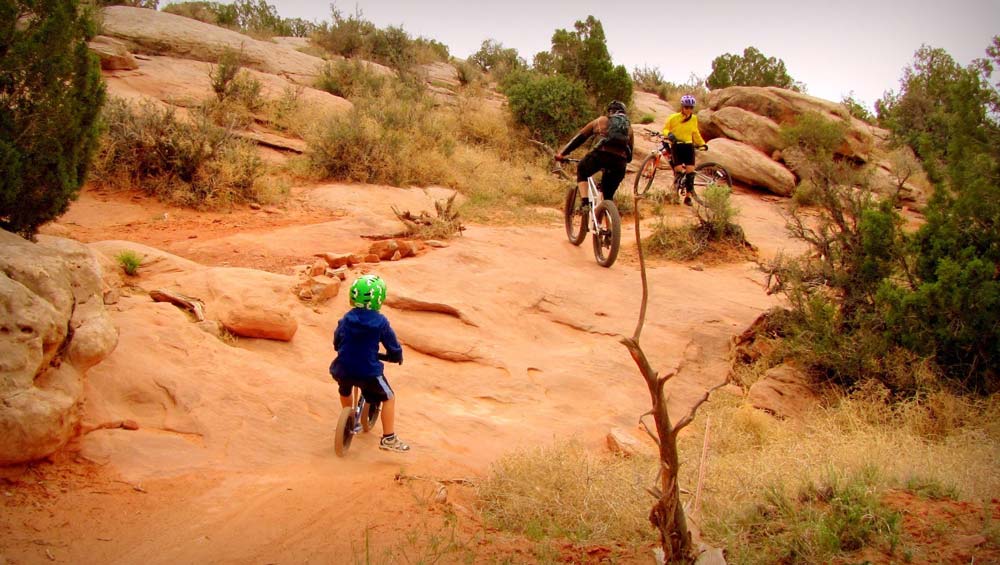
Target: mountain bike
600 217
705 174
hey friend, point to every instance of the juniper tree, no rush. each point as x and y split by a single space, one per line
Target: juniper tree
50 96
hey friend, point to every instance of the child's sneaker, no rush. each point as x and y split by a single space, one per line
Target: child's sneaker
392 443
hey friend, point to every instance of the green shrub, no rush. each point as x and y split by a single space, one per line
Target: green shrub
497 60
193 163
718 213
254 17
349 78
396 136
50 97
753 68
214 13
552 107
839 515
130 261
647 78
647 119
468 74
857 109
582 55
675 242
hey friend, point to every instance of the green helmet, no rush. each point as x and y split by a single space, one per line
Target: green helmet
367 291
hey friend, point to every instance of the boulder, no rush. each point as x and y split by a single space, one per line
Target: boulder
384 249
740 125
785 391
248 303
785 106
159 33
749 165
623 443
53 327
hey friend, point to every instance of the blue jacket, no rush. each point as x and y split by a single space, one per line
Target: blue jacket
356 340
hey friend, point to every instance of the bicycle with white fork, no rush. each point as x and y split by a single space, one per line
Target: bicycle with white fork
600 218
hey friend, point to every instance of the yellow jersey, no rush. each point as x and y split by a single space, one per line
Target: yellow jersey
685 132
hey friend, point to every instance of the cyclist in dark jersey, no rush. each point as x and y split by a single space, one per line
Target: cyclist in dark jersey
608 157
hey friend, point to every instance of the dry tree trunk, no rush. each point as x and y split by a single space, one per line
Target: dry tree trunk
667 514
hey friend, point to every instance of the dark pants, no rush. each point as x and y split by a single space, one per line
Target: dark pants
612 165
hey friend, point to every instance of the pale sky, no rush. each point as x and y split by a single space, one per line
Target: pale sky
833 47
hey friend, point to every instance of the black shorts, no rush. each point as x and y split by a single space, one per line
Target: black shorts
375 389
683 154
612 165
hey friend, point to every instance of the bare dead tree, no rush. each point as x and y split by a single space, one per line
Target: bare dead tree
667 514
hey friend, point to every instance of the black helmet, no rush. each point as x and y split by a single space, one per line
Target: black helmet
616 107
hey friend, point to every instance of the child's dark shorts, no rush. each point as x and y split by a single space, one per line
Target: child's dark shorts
375 389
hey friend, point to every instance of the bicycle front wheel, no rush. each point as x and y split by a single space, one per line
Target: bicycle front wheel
345 431
575 216
712 173
608 235
645 175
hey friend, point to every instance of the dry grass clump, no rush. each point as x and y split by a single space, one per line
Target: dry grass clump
189 161
938 444
563 491
400 137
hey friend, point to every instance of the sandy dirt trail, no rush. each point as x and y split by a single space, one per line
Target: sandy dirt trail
233 460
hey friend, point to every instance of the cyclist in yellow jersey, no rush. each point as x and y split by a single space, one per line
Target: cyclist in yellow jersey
681 130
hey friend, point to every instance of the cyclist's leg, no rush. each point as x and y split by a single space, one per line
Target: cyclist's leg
684 159
378 390
614 172
587 167
344 390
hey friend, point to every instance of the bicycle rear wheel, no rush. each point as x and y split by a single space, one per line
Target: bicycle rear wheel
608 235
369 415
645 175
345 431
575 217
711 173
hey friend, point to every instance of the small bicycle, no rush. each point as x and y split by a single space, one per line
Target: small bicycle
601 218
361 416
705 174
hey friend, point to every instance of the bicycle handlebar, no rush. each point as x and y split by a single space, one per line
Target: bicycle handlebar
385 357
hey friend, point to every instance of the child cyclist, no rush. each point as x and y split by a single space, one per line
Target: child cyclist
356 341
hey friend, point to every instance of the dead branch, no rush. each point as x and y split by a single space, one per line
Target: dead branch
689 417
646 426
401 477
701 468
195 306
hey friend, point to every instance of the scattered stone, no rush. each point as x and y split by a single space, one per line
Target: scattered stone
336 260
396 256
623 443
131 425
111 296
785 391
372 258
435 243
340 273
254 206
317 268
384 249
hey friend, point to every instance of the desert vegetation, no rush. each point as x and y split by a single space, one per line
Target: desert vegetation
49 109
897 326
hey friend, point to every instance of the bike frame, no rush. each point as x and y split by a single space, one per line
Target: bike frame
595 198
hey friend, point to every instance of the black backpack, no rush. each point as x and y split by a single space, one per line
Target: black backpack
618 132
